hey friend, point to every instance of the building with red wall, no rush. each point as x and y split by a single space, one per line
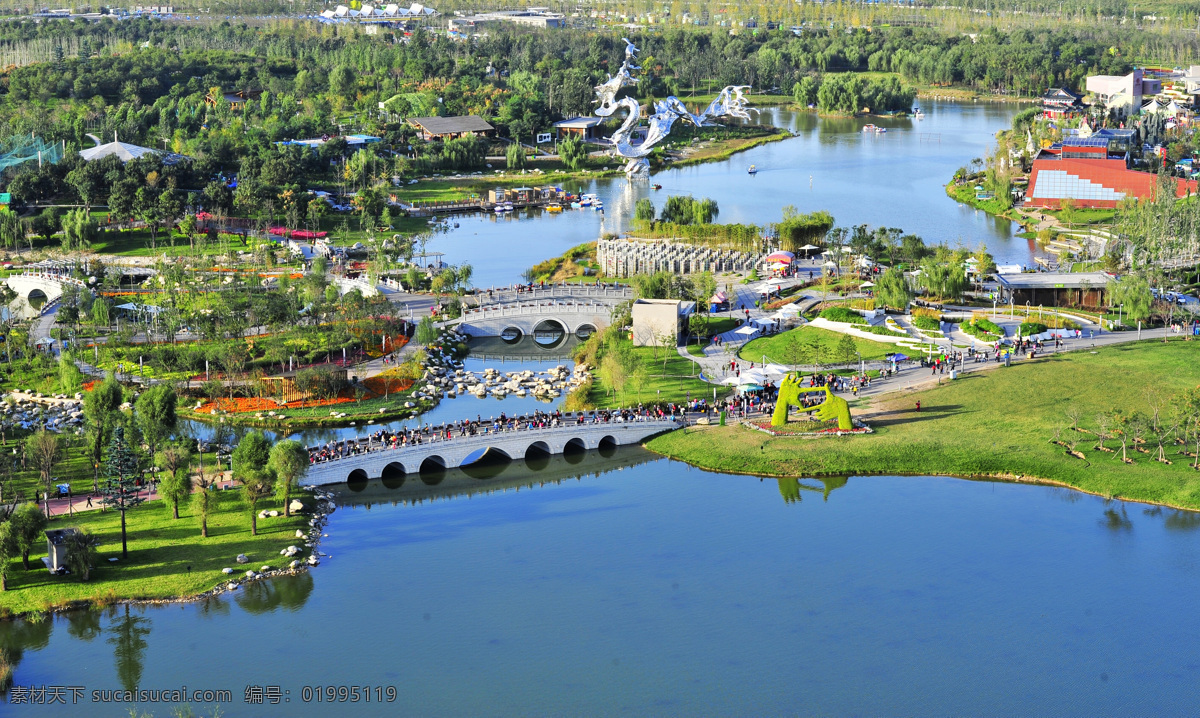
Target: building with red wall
1091 178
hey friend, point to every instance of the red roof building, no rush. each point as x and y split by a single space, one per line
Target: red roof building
1091 178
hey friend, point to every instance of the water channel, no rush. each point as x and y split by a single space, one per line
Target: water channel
625 583
894 179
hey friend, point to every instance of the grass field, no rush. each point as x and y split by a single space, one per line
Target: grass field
668 378
997 423
779 348
166 557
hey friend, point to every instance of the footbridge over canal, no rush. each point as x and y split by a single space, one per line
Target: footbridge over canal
442 453
549 315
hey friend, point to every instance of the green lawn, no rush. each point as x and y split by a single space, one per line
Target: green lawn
780 348
166 557
668 378
997 423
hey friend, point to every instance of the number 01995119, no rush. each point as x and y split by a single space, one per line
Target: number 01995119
348 694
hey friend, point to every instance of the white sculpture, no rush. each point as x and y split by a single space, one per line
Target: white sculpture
729 103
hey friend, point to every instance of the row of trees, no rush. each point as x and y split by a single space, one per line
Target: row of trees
121 444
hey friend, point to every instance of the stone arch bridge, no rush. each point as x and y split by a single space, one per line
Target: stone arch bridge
548 322
458 451
48 287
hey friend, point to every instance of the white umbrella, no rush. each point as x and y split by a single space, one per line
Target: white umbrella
775 369
809 246
866 285
830 263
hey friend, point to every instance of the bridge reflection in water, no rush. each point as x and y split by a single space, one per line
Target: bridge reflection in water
496 473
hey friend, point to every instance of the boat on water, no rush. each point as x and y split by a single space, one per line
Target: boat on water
586 200
508 206
598 206
917 113
874 128
655 186
554 207
575 205
753 169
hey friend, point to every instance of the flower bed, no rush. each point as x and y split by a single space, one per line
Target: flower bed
241 405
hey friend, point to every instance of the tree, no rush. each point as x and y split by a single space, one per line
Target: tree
8 551
1133 292
205 502
177 485
78 230
845 351
100 406
155 412
891 290
250 459
643 211
289 462
426 332
28 523
43 449
514 155
81 551
121 491
12 231
572 152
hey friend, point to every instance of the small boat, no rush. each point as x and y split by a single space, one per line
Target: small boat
586 200
917 113
508 206
598 206
575 205
874 128
554 207
655 186
499 209
753 169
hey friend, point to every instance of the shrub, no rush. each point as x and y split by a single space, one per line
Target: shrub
1028 328
842 314
926 322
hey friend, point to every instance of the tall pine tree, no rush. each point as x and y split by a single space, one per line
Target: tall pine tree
121 490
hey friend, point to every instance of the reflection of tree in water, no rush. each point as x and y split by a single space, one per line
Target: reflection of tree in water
15 638
790 489
84 625
1182 521
1117 519
127 635
288 592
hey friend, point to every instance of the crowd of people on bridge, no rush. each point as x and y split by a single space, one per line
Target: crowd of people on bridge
466 428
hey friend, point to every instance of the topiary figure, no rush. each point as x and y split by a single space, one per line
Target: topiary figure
833 408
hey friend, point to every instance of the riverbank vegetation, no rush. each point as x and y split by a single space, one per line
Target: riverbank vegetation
1018 422
167 557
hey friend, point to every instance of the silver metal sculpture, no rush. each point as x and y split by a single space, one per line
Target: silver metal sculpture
729 103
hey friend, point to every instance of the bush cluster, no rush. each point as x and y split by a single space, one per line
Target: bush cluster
842 314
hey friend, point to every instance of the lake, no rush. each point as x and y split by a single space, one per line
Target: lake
626 583
893 179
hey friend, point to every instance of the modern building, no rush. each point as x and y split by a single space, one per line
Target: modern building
534 17
1059 102
127 152
384 13
656 320
1054 289
1122 94
445 128
582 127
1086 172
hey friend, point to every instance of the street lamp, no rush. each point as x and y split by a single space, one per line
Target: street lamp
1121 316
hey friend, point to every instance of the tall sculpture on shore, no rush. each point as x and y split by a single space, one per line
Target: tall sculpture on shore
729 103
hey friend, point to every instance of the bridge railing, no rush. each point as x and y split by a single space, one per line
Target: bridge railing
487 432
502 296
524 310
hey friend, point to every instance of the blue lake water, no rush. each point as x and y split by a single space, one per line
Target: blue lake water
631 584
893 179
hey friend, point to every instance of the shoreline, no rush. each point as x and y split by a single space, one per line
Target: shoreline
322 508
997 476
